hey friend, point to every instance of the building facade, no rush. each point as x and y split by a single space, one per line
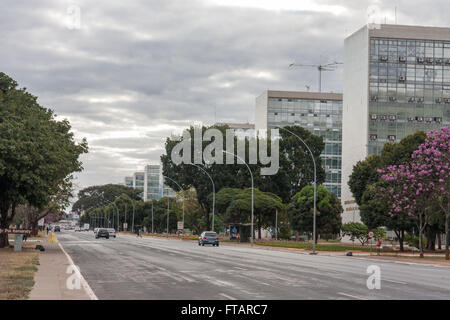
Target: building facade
396 82
151 183
318 112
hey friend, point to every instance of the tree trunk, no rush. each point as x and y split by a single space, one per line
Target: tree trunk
439 235
259 226
447 235
296 235
420 235
401 236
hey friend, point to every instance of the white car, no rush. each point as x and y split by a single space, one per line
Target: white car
112 232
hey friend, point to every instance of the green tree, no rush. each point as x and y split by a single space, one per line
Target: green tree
376 203
359 231
295 171
97 196
38 154
235 206
393 153
329 210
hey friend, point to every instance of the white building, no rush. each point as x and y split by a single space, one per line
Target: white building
396 82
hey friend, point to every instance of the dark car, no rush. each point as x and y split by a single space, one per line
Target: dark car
208 237
57 229
102 233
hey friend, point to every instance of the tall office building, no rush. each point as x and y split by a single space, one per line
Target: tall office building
139 183
151 183
318 112
129 182
396 82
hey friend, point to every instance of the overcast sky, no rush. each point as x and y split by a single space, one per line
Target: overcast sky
128 74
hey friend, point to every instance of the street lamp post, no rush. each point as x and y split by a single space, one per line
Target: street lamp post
168 212
251 175
214 191
315 187
168 202
152 216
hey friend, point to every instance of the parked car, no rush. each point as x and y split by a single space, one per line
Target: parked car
56 229
102 233
208 237
77 229
112 232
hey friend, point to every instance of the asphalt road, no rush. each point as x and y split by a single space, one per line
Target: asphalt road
152 268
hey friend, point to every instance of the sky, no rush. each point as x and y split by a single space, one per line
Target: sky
128 74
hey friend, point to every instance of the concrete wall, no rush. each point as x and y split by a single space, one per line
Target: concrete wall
261 111
354 113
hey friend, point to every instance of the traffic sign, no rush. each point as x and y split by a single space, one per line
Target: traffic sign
180 225
371 234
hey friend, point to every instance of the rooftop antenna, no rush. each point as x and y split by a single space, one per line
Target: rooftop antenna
307 87
331 66
395 14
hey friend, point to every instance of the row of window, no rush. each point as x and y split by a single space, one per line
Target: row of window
392 117
421 60
438 100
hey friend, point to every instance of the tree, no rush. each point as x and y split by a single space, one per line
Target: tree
38 154
97 196
364 174
235 206
359 231
393 153
295 170
329 210
431 170
409 195
376 204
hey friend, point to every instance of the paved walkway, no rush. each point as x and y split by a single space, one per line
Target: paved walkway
52 277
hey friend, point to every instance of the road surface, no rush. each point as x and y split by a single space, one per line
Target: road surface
153 268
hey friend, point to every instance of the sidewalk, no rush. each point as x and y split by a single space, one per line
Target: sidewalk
50 279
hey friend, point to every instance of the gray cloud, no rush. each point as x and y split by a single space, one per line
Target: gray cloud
137 72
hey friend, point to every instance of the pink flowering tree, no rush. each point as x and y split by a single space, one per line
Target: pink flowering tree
408 195
431 165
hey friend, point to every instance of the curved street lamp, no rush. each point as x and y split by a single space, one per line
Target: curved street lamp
315 186
214 190
251 175
168 205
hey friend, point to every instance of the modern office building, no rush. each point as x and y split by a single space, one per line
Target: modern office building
139 183
396 82
318 112
129 182
150 182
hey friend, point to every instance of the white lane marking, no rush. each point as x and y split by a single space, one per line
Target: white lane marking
266 284
84 283
394 281
227 296
351 296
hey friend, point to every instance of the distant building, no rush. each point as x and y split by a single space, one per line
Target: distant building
318 112
139 183
150 183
